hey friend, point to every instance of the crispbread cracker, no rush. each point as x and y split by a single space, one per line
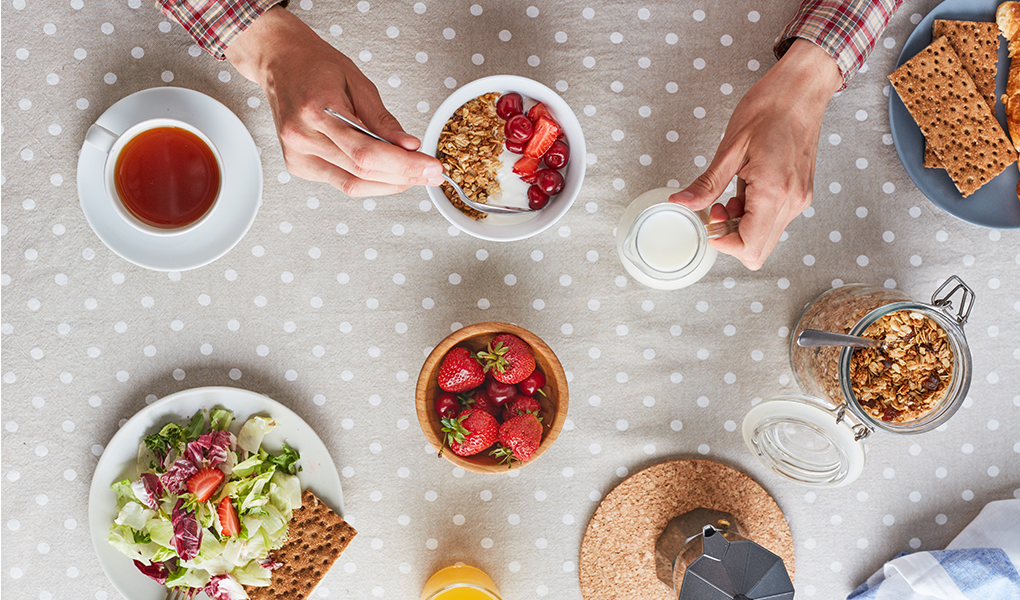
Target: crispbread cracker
954 118
977 45
315 540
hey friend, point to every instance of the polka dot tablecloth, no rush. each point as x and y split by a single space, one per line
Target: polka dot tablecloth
330 304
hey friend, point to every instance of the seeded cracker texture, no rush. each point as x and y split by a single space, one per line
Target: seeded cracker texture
977 45
315 540
469 148
956 122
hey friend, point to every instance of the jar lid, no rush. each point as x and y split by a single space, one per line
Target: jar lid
806 440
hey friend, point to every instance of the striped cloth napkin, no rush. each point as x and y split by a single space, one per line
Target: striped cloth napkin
982 563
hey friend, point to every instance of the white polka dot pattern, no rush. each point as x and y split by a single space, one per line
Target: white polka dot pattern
330 304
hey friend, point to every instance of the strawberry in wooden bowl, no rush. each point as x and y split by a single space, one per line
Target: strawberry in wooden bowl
491 397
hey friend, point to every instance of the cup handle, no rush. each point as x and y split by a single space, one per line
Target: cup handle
722 228
101 138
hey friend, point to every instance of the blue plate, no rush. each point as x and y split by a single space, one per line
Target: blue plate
994 205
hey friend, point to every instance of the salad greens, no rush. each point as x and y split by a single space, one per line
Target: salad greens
208 508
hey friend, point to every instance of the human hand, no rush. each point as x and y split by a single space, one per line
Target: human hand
770 142
302 75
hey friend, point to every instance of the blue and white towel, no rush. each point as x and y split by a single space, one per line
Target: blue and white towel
982 563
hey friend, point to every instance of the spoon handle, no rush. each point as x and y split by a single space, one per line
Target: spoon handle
812 338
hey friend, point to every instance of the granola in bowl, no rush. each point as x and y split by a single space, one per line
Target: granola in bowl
469 149
522 171
908 376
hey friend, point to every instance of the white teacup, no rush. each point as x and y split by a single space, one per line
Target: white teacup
112 145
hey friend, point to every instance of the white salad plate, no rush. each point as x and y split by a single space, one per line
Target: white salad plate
229 219
119 461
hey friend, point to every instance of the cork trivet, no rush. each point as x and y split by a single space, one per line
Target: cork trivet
618 551
315 540
977 45
954 118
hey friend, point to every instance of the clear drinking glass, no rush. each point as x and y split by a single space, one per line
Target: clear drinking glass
460 582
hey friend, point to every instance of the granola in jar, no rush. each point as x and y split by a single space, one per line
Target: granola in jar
907 376
838 310
469 149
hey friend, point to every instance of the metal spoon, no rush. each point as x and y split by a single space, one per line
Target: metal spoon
811 338
485 208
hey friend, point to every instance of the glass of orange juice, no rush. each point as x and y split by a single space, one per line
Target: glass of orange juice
460 582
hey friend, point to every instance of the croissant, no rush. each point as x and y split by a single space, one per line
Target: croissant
1008 19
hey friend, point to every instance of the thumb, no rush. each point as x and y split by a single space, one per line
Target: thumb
711 184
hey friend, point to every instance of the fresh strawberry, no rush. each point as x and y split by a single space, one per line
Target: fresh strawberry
470 432
204 483
480 399
540 110
460 371
519 438
521 405
230 525
508 358
526 166
545 134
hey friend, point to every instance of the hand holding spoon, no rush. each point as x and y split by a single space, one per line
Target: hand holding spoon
485 208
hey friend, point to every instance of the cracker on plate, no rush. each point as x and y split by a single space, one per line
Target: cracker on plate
955 119
977 45
315 540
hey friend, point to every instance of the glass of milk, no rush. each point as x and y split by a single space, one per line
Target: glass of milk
664 245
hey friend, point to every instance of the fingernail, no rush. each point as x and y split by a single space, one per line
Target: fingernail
683 196
435 181
432 171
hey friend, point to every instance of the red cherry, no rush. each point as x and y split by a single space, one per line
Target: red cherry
447 405
509 105
550 181
519 129
515 147
500 392
537 199
531 384
557 155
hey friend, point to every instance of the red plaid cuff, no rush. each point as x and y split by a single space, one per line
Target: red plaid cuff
846 29
215 23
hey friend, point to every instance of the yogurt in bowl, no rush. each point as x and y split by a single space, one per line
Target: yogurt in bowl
512 191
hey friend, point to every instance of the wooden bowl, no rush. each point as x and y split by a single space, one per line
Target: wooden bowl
476 337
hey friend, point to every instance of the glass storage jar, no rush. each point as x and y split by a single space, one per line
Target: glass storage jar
814 438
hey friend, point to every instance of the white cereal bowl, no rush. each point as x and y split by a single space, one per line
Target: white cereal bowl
559 204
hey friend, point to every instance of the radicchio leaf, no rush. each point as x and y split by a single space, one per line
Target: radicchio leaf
270 563
156 571
196 450
187 532
175 480
218 445
148 489
224 587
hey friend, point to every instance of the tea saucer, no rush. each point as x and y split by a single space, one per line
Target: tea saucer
231 216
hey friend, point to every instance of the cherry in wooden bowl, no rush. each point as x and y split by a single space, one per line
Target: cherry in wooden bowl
477 337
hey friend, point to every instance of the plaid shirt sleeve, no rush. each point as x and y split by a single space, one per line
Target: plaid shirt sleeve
846 29
215 23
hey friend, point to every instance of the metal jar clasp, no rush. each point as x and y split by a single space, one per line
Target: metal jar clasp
943 299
